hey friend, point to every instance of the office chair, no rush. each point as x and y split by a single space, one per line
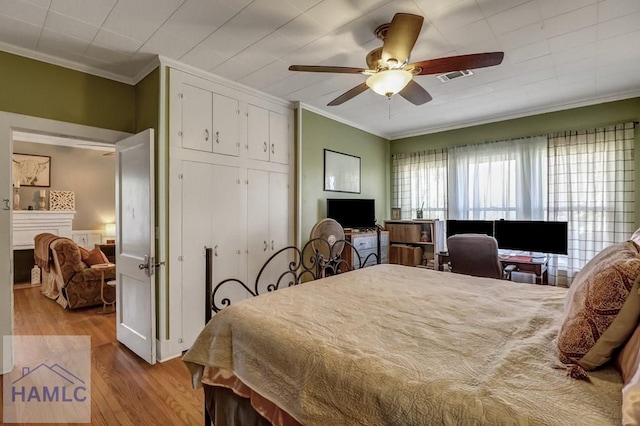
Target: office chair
477 255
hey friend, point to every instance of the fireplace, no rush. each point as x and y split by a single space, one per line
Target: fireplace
26 225
22 264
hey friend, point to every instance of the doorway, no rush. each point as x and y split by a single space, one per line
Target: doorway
10 123
46 167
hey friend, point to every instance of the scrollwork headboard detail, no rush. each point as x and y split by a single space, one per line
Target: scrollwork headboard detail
317 259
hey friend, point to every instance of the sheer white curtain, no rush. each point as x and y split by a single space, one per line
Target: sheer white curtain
591 186
420 178
499 180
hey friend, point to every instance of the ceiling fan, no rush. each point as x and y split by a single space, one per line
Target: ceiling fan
389 69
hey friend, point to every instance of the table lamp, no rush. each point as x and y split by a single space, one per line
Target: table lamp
110 232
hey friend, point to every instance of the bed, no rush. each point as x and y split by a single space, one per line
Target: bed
392 345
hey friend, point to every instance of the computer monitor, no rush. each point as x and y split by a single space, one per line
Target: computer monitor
532 235
469 227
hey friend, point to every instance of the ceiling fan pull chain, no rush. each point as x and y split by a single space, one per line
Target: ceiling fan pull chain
389 107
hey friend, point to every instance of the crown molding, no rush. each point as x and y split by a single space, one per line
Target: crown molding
526 113
342 120
172 63
65 63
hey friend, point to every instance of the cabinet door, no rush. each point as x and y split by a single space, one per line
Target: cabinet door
278 138
258 133
278 221
226 134
225 216
258 241
197 203
196 118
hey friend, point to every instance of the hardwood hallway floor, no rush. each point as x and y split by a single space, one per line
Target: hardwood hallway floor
124 389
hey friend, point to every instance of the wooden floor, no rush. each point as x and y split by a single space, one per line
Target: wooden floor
125 390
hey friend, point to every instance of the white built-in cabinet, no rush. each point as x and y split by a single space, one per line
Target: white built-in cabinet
267 135
210 121
230 190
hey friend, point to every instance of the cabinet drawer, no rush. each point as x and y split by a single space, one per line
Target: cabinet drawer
365 243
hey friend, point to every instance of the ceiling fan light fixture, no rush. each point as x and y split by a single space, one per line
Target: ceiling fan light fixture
389 82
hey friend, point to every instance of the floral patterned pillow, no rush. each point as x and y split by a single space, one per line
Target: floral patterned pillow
602 307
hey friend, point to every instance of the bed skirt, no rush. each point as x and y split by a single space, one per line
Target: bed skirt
230 402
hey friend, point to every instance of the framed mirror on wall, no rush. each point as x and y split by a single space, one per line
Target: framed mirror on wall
341 172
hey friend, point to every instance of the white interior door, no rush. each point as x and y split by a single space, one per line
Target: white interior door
135 207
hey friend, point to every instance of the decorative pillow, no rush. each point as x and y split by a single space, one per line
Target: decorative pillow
628 358
602 307
94 257
627 362
84 253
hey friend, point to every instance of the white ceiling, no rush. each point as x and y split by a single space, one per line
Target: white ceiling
558 53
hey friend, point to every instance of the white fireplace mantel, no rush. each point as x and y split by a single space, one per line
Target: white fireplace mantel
29 223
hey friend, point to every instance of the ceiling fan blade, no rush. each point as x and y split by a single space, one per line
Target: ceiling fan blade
415 93
401 36
459 63
320 68
349 95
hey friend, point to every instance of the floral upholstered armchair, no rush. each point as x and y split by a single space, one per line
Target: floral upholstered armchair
69 280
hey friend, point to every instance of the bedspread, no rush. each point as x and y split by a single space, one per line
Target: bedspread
397 345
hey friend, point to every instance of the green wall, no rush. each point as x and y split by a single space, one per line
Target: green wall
319 133
39 89
572 119
147 105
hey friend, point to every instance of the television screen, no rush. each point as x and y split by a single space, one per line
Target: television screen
352 213
532 235
469 227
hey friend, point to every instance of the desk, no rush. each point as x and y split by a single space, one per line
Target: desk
522 263
104 267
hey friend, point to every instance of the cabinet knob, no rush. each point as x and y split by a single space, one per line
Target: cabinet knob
218 137
273 148
272 245
215 250
206 134
265 147
266 245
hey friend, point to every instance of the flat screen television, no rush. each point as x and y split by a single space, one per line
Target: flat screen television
469 227
352 212
532 235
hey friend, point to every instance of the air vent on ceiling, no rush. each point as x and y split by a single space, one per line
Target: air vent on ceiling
453 75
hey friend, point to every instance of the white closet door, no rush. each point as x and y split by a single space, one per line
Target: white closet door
257 223
225 216
226 130
278 136
278 222
196 118
258 133
198 199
